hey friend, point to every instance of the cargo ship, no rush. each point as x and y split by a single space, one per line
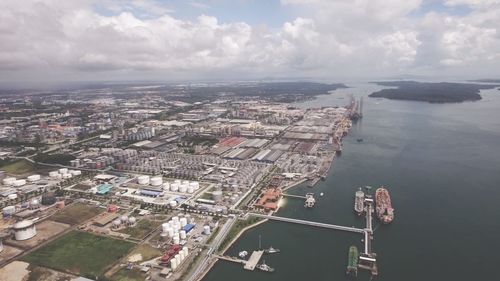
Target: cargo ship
359 200
385 212
352 265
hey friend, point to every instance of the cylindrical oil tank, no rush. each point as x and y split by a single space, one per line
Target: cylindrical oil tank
8 181
185 250
178 258
182 234
63 171
173 264
181 254
156 181
124 219
164 236
217 195
53 174
165 226
33 178
12 196
174 187
173 203
206 229
183 221
144 180
18 183
132 220
24 230
117 223
176 240
183 188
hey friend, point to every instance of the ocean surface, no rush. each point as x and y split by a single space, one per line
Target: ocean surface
441 164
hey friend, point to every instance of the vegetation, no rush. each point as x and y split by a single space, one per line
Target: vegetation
431 92
128 275
76 213
80 253
17 167
142 228
57 158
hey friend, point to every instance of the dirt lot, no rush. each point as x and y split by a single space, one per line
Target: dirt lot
8 252
45 231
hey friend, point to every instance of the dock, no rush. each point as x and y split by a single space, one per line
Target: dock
253 260
249 264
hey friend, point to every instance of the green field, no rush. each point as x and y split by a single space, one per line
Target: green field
76 213
80 253
142 228
18 167
128 275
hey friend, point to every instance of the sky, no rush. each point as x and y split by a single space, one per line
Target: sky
173 40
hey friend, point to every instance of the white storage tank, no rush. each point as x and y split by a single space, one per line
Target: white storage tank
176 240
63 171
8 211
75 172
144 180
178 259
183 188
190 189
166 186
173 203
66 176
34 204
12 196
185 250
117 223
8 181
206 230
173 264
124 219
217 195
24 230
53 174
170 232
181 254
18 183
183 222
164 236
156 181
132 221
195 185
182 234
33 178
174 187
165 226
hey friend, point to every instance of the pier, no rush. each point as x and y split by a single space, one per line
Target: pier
367 259
294 196
249 264
309 223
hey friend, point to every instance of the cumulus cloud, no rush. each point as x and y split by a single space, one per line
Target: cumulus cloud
134 39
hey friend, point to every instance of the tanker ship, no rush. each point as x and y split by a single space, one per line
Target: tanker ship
359 200
352 265
385 212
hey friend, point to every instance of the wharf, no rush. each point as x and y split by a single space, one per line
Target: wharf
249 264
253 260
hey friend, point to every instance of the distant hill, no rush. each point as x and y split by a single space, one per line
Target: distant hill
431 92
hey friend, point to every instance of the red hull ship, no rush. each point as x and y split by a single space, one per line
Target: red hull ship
385 212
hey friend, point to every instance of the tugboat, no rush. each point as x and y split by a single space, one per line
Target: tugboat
264 267
271 250
352 265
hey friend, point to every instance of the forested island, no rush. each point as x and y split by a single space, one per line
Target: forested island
442 92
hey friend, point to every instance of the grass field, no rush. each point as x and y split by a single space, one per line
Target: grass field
19 167
142 228
128 275
80 253
76 213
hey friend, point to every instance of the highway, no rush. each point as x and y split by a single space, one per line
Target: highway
310 223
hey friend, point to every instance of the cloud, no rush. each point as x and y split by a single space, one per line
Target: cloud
141 39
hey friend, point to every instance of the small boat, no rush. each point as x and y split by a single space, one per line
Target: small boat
359 140
271 250
242 254
321 194
264 267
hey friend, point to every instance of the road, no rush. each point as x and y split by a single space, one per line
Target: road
202 265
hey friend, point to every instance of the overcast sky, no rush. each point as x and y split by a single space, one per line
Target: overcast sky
54 40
